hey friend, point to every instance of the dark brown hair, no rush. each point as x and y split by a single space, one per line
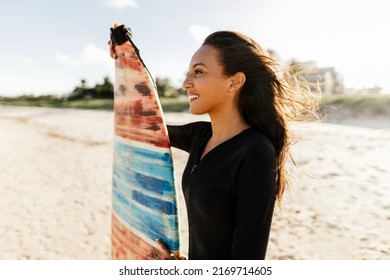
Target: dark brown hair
270 97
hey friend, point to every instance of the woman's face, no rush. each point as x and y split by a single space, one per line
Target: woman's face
206 85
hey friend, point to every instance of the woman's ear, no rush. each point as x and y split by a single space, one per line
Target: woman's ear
237 81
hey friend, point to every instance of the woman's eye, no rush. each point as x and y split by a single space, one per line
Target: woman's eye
197 72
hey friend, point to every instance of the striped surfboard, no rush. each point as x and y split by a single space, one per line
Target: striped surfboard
144 204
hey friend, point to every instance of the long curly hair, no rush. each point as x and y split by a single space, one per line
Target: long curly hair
271 96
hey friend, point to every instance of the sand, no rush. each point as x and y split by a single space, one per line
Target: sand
55 187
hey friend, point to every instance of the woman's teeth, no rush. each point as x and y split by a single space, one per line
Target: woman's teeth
193 97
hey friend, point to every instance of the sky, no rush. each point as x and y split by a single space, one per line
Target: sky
48 46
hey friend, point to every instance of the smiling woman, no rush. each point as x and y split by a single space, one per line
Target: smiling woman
236 166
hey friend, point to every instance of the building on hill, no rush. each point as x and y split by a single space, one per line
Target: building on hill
328 79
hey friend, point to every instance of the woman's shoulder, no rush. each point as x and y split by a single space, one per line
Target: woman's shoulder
254 143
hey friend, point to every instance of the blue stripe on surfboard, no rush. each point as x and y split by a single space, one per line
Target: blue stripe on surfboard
154 203
123 194
141 177
148 183
147 162
147 223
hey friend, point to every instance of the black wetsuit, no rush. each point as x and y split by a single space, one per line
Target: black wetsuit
230 193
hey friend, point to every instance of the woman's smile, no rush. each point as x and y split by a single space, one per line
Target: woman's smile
192 97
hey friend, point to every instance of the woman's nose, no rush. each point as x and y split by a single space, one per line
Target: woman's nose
187 82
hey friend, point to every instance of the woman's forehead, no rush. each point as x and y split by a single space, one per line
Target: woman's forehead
206 56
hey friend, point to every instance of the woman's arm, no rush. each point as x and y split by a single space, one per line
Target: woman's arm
181 136
256 194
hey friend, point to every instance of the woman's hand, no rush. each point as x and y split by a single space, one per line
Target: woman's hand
167 253
112 51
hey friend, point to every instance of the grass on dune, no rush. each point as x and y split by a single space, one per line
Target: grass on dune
376 104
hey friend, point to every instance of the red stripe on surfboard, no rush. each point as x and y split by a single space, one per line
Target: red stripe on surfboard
146 130
127 58
138 114
128 246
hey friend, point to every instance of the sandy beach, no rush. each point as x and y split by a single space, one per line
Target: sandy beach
56 174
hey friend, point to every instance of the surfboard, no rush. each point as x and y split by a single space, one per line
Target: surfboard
144 206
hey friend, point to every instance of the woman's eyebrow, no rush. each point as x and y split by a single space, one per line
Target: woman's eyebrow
199 64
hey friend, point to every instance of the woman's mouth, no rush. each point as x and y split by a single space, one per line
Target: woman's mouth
193 97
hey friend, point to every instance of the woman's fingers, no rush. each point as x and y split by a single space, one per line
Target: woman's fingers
115 24
112 51
168 255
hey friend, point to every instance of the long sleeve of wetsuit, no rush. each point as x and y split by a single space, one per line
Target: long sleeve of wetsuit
181 136
256 193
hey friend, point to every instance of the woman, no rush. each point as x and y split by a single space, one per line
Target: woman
236 167
237 162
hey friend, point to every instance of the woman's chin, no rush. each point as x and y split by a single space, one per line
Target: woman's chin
195 111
